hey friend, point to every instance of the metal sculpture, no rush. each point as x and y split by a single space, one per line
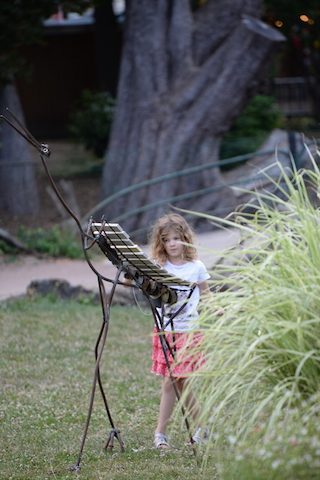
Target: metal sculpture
158 286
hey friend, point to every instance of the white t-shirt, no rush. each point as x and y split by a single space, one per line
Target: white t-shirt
194 272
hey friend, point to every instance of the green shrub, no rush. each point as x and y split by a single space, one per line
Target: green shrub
251 128
7 248
90 124
55 242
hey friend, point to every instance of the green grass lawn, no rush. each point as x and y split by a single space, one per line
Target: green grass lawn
47 365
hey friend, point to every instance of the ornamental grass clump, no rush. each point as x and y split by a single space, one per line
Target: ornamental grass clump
290 450
263 354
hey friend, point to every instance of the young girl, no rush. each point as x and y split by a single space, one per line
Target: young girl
180 260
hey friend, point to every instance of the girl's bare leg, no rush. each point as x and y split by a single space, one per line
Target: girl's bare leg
168 399
191 402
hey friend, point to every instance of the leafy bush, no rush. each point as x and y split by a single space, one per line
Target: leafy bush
251 128
90 124
55 242
7 248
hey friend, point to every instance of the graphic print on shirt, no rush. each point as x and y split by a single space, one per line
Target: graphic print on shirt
171 310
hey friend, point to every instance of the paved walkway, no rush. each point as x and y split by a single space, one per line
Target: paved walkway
15 277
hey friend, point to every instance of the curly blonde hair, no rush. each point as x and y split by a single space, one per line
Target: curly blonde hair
165 224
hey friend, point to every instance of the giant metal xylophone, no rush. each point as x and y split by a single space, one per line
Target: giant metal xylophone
158 286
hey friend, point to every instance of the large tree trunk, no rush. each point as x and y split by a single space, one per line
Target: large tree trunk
185 76
18 189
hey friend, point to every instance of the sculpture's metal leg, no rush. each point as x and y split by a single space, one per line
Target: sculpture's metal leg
114 434
105 302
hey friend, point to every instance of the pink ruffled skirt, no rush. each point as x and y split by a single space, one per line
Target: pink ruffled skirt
187 353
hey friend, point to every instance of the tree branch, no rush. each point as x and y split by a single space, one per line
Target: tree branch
223 16
12 240
256 42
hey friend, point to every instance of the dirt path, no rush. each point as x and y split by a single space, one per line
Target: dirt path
15 277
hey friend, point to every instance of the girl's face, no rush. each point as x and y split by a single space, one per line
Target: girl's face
173 247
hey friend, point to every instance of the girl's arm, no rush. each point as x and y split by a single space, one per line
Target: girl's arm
205 291
207 295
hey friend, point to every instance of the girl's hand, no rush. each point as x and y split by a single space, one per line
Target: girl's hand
127 281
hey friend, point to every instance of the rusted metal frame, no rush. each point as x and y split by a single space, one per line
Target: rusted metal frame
105 324
106 303
75 218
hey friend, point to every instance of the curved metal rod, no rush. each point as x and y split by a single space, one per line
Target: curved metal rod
102 338
41 147
105 325
75 218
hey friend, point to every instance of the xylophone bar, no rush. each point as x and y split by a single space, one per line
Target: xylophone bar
128 252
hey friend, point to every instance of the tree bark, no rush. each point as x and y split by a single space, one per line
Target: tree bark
18 188
185 76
